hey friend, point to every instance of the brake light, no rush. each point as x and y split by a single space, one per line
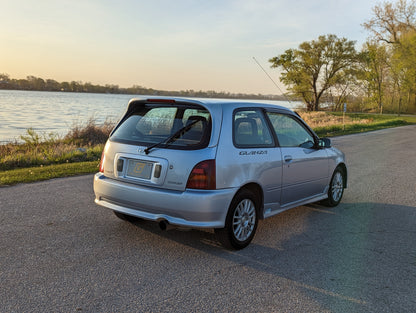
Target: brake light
203 176
161 100
102 162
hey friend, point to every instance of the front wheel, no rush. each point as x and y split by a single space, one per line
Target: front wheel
336 188
241 222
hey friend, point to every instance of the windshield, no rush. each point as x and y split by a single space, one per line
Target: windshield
148 125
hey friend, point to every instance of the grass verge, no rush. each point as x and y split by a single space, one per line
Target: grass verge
41 158
329 124
38 173
339 130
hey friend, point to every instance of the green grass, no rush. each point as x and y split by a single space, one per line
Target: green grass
339 129
23 156
46 157
38 173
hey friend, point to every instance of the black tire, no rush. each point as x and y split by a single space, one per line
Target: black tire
126 217
336 188
241 222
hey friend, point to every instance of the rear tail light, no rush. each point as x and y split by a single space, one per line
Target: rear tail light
102 162
203 176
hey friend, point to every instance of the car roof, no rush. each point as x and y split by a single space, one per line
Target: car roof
211 103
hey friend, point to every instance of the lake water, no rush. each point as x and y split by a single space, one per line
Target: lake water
57 112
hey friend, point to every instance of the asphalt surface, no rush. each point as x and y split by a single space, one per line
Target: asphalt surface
59 252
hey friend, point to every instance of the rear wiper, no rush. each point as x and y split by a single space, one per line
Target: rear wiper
172 137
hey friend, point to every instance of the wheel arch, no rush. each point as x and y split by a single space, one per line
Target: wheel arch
258 192
343 168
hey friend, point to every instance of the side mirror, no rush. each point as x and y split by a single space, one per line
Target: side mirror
324 143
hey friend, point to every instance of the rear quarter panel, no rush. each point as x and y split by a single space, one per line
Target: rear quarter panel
237 167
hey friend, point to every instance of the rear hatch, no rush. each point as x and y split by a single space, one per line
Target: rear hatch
158 142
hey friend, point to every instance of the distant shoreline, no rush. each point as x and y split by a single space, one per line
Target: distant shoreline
32 83
174 94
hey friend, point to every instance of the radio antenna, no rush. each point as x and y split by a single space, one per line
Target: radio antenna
271 79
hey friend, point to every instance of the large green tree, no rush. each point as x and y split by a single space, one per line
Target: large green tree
394 24
316 66
374 72
403 69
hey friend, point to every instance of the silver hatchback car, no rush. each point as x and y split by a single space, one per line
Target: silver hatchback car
215 164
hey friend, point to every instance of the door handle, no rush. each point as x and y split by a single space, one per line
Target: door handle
288 158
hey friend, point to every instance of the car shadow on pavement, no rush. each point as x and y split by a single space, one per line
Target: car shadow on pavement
355 256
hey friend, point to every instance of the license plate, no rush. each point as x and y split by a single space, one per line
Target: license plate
139 169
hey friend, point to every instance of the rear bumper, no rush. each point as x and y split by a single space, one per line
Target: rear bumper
191 208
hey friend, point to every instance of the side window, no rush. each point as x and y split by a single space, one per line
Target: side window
290 132
250 129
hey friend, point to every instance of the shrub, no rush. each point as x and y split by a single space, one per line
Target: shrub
82 143
90 133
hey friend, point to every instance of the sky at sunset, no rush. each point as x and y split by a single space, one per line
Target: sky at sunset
170 45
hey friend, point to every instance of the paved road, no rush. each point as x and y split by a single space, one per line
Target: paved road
59 252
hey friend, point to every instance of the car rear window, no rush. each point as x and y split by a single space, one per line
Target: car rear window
148 124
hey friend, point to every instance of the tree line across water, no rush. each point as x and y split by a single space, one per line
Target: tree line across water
40 84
